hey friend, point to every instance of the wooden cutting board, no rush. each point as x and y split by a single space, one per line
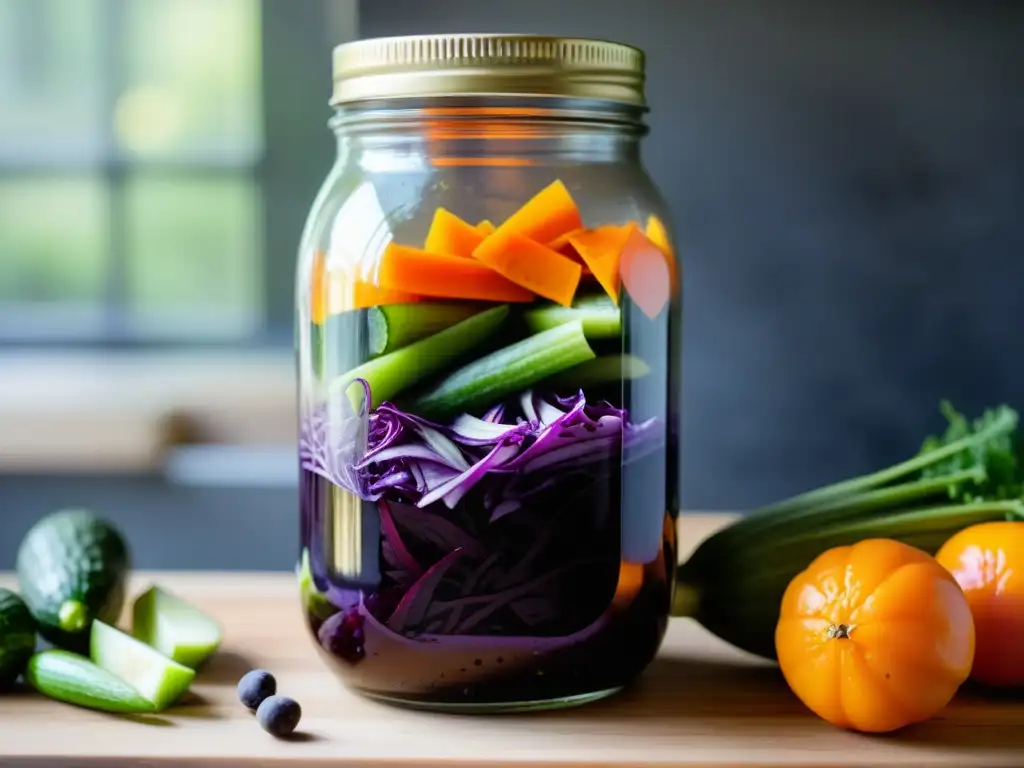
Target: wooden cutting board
701 703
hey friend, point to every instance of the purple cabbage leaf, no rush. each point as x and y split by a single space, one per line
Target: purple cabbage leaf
411 459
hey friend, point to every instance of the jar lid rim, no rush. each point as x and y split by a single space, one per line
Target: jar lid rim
487 64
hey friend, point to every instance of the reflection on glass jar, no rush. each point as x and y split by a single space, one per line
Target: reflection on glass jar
488 333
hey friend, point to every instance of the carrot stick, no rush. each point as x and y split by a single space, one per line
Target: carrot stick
644 272
345 294
548 214
564 247
450 234
404 268
485 227
631 579
601 250
562 243
336 290
658 234
533 266
317 299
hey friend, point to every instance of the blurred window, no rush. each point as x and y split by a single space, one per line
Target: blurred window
131 142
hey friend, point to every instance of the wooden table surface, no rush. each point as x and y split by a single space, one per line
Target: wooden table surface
701 703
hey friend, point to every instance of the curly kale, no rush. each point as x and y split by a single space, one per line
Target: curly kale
971 462
989 442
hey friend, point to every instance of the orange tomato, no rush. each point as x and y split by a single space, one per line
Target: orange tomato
875 636
987 560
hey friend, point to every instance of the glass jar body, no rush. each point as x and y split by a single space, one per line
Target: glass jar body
488 447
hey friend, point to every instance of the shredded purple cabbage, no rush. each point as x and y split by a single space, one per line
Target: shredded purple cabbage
425 462
490 526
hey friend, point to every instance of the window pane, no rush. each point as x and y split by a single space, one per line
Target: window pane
194 262
192 80
50 81
53 243
52 240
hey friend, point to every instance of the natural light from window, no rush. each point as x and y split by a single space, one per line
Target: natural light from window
130 152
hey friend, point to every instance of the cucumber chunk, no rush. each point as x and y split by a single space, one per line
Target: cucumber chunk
159 679
72 568
17 637
394 326
600 317
313 600
65 676
394 372
180 631
606 369
511 369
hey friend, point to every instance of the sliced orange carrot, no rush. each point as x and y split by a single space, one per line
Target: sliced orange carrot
601 249
645 274
450 234
317 298
564 247
631 579
485 227
345 294
658 234
532 265
336 290
547 215
562 244
404 268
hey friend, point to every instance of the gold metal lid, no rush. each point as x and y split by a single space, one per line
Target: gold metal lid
487 65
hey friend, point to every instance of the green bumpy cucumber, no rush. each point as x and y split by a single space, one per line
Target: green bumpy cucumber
598 372
17 637
391 374
600 317
393 326
511 369
73 679
72 569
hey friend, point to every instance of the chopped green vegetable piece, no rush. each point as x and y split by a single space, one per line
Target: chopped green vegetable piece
158 678
600 317
394 372
174 627
606 369
72 568
394 326
17 637
65 676
313 599
510 369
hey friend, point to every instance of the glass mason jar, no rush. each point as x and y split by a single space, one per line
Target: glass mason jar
488 334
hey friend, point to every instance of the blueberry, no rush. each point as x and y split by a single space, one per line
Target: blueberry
255 686
279 715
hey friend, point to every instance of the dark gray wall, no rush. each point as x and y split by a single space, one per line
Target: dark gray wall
847 180
167 525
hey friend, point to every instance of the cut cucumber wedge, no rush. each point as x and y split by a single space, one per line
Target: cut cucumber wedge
606 369
159 679
177 629
394 326
600 317
514 368
313 600
71 678
398 370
